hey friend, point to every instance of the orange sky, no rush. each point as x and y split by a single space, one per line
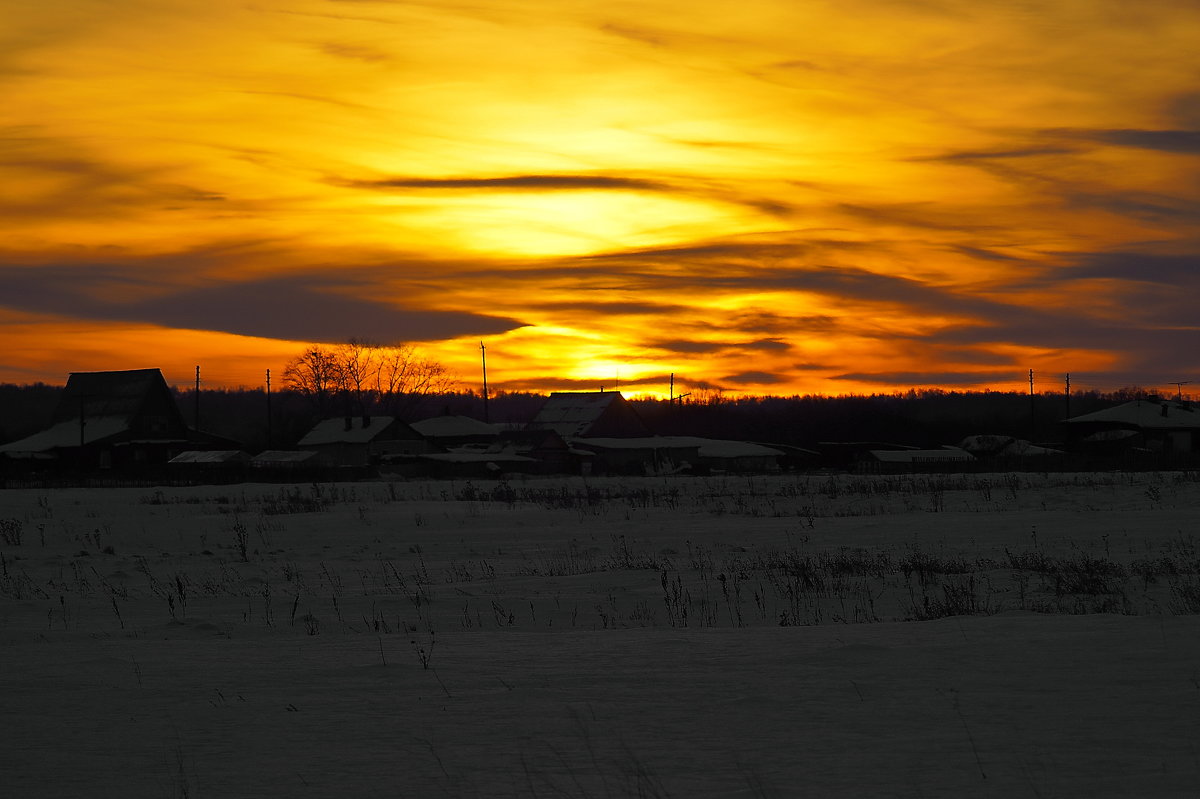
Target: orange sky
767 197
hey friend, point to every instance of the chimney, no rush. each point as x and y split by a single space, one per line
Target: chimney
349 423
366 419
1164 409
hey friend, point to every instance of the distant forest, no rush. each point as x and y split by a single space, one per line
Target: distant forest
922 418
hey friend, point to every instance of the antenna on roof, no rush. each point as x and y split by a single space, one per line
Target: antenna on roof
1179 384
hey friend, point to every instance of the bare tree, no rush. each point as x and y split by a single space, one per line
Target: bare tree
405 377
359 363
316 375
357 377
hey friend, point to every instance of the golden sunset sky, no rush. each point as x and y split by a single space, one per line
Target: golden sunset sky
766 197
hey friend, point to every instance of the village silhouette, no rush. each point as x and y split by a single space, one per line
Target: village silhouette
130 426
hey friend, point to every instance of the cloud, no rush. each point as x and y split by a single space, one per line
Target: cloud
984 254
755 378
925 215
1172 270
998 153
515 183
285 308
308 98
932 378
1167 141
709 191
687 346
584 308
295 308
554 382
355 52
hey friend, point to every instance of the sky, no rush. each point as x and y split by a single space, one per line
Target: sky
774 197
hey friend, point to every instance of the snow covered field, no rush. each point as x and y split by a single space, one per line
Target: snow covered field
948 635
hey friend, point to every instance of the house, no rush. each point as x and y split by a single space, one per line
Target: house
108 420
361 441
589 414
447 432
1166 426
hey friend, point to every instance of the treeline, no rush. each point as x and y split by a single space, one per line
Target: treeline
927 418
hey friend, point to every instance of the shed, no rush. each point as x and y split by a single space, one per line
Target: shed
915 460
223 465
645 455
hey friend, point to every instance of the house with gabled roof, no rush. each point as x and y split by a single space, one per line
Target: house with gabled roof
361 440
1169 426
108 420
589 414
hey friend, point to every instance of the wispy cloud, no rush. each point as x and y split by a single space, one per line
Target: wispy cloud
1001 379
515 183
1167 141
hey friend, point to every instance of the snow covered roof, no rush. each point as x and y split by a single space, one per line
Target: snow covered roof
454 426
574 413
281 456
1145 414
1004 446
67 434
947 455
334 431
210 456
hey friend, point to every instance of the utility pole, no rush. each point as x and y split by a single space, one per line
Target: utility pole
1068 395
268 409
197 425
1032 410
483 356
672 400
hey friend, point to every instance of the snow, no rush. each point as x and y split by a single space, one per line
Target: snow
451 426
346 430
221 456
67 434
272 640
1146 414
